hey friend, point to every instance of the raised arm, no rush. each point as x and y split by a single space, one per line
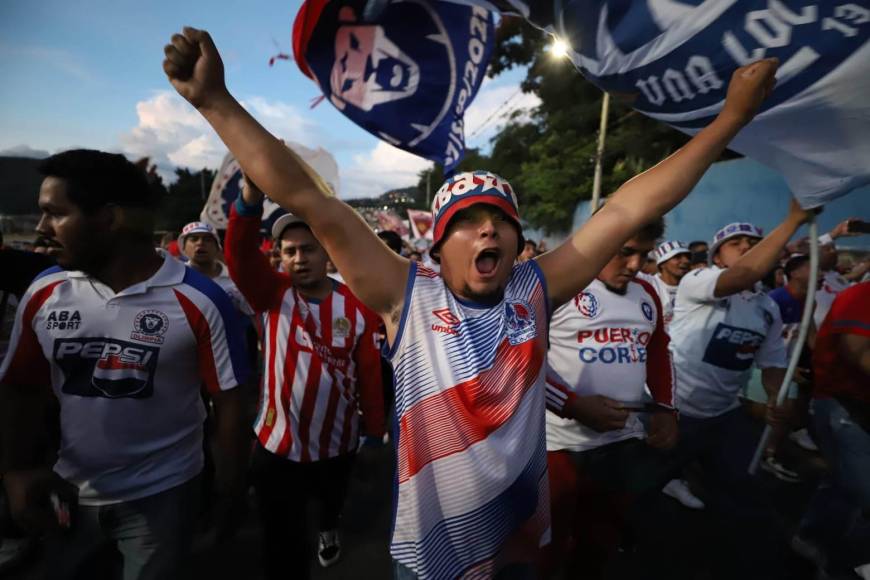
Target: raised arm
757 262
374 273
570 267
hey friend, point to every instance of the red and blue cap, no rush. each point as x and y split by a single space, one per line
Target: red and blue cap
470 188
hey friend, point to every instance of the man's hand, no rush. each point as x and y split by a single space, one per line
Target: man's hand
777 416
599 413
841 230
749 86
798 215
30 498
663 432
194 67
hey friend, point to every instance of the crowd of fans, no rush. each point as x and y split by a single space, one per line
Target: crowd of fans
533 398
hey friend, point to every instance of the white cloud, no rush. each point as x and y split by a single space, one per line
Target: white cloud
173 134
383 168
24 151
492 108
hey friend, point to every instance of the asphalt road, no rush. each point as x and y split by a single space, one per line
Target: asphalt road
671 542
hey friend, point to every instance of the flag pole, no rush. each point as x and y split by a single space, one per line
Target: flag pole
809 307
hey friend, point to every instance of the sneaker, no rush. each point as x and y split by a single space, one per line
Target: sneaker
779 471
13 550
802 438
679 490
328 548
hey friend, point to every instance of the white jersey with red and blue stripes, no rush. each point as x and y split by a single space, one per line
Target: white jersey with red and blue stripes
472 492
127 369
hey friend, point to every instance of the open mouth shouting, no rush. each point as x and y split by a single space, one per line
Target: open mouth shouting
486 262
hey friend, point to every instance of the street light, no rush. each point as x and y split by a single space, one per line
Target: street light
559 48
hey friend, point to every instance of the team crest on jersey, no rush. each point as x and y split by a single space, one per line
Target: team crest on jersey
150 326
63 320
520 319
587 304
341 327
647 310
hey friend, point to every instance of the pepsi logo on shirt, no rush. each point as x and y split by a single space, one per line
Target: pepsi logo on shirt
733 348
106 367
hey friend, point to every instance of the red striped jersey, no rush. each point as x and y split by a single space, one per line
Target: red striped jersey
127 369
472 494
322 362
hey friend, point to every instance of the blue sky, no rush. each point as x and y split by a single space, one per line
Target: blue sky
88 74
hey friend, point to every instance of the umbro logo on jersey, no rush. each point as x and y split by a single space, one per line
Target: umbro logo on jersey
449 319
150 326
105 367
63 320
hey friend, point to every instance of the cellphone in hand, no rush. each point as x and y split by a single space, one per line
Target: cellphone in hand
858 227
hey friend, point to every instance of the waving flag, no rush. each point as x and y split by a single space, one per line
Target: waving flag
421 223
677 56
674 58
403 70
227 186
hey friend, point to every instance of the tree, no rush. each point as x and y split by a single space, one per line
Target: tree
185 198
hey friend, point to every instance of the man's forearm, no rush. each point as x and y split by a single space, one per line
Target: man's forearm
757 262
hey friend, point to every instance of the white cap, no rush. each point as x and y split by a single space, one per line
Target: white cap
280 224
731 231
667 250
197 228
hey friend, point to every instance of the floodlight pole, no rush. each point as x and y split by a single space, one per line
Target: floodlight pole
599 153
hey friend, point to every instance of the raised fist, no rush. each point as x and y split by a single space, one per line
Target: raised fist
194 66
749 86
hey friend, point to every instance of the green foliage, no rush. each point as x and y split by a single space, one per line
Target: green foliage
550 159
184 199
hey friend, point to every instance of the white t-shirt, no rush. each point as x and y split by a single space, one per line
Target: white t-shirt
715 341
667 295
832 284
604 343
127 370
224 281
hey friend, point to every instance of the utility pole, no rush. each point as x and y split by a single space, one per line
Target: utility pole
599 153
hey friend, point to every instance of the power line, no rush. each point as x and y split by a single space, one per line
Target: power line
493 115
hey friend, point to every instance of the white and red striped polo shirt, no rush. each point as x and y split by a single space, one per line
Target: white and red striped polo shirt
322 361
127 369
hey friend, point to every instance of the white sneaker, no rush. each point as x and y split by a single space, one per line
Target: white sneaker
802 438
779 471
328 548
679 490
863 572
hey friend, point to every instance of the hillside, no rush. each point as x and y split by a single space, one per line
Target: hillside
19 184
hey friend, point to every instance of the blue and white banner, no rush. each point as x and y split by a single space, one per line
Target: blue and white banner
674 59
403 70
227 186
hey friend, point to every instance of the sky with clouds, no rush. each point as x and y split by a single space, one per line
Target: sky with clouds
88 74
